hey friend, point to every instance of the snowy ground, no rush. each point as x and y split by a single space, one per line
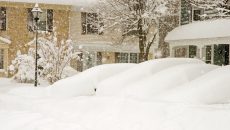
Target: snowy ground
43 111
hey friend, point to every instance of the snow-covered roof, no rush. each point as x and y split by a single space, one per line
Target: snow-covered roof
61 2
214 31
4 40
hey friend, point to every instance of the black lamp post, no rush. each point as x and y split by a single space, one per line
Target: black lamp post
36 12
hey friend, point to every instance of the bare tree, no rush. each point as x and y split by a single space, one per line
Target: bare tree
134 18
212 8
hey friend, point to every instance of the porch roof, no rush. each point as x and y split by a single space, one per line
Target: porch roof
201 33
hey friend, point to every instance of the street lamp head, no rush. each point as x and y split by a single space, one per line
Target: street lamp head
36 12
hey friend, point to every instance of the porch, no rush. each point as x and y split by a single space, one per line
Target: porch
206 40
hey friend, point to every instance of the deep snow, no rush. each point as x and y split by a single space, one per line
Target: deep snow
120 112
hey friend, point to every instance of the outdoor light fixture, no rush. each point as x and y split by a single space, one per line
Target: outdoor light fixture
36 12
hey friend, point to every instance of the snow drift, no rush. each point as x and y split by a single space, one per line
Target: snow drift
213 87
113 85
85 83
166 80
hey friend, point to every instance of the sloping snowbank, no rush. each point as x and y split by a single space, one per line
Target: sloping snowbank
165 80
84 84
113 85
81 84
213 87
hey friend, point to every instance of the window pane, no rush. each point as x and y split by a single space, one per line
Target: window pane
99 58
1 58
192 51
122 57
208 53
42 19
2 18
90 23
180 52
196 15
133 58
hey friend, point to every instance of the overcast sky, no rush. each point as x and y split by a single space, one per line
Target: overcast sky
65 2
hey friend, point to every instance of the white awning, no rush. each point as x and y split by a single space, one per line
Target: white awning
201 33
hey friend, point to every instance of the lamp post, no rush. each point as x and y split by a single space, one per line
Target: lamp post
36 12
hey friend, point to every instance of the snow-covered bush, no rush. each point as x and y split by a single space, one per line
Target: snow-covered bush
54 57
23 66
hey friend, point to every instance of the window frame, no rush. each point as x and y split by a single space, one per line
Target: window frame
2 54
84 24
5 9
128 60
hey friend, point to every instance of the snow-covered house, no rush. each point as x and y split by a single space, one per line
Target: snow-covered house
69 19
207 40
16 27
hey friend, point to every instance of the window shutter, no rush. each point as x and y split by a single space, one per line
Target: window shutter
30 21
50 20
83 23
2 18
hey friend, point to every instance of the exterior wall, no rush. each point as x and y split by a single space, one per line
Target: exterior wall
17 32
3 73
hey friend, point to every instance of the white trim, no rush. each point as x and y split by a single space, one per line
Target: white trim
204 41
106 47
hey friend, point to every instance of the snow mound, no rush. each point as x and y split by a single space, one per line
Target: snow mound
211 88
113 85
166 80
84 84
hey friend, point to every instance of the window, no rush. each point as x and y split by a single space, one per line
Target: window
1 59
180 52
90 23
192 51
126 57
133 58
45 21
99 58
196 15
185 12
80 63
208 59
2 18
